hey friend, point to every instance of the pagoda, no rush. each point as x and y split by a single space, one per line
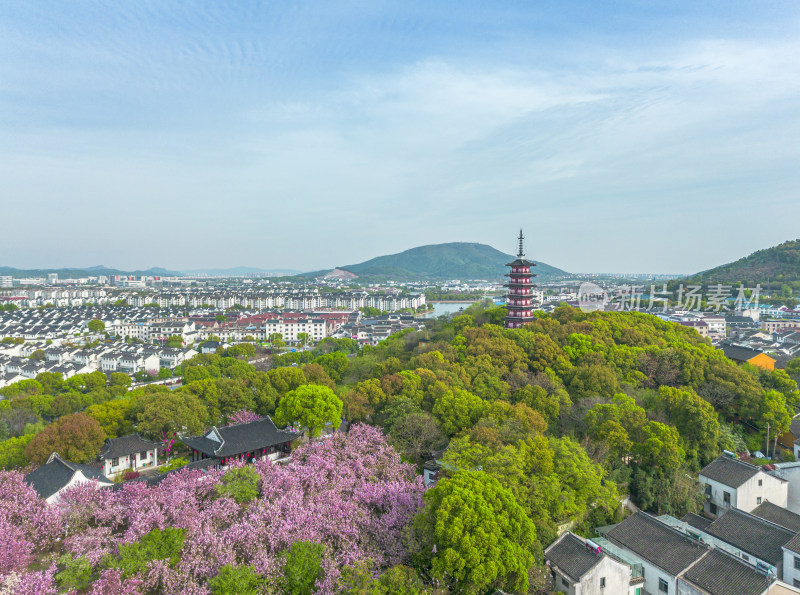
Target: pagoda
520 288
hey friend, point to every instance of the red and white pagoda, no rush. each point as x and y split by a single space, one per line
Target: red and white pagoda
520 288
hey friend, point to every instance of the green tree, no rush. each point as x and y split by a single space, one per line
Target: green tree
12 452
155 545
166 411
96 326
241 484
74 574
458 409
661 448
119 379
480 535
276 340
312 406
38 355
303 339
52 382
174 341
75 437
303 567
236 580
113 417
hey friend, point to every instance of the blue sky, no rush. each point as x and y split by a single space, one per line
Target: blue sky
622 136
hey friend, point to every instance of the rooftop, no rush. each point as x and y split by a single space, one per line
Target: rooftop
570 555
657 543
756 536
719 573
778 515
729 471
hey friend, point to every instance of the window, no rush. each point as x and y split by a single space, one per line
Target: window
797 562
564 582
745 557
712 508
114 462
708 489
760 482
602 582
758 500
663 587
726 497
796 583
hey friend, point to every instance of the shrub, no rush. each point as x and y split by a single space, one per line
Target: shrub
238 580
303 567
156 545
240 483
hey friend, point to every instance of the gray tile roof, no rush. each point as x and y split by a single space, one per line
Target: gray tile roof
240 438
657 543
720 573
751 534
570 555
56 473
794 544
729 472
696 521
124 446
778 515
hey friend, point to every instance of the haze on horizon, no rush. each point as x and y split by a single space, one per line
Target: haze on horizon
622 136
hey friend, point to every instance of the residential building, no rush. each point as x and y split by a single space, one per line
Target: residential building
56 475
742 354
129 452
664 553
581 567
719 573
730 483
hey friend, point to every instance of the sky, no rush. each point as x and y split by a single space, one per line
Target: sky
622 136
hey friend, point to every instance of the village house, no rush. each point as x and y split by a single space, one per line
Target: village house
730 483
129 452
580 567
56 475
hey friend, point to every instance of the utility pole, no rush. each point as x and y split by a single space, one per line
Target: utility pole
767 442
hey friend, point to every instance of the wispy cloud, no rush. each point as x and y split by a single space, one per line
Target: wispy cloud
373 132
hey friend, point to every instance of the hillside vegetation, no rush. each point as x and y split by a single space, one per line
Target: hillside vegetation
457 260
779 264
536 428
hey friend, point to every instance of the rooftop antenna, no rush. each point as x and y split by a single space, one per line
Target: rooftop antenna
521 250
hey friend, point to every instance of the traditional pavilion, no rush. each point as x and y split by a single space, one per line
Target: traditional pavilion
255 440
520 288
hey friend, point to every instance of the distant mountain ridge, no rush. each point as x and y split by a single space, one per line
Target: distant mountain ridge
95 271
455 260
779 264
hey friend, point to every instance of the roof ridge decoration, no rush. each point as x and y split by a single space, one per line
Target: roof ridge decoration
54 456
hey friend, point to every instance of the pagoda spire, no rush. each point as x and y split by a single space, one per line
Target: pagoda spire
521 252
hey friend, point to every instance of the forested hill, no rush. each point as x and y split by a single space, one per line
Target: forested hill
546 425
776 265
456 260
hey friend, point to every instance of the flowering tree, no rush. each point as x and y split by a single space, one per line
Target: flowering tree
242 416
351 494
27 524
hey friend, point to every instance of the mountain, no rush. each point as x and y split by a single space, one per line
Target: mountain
779 264
95 271
457 260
